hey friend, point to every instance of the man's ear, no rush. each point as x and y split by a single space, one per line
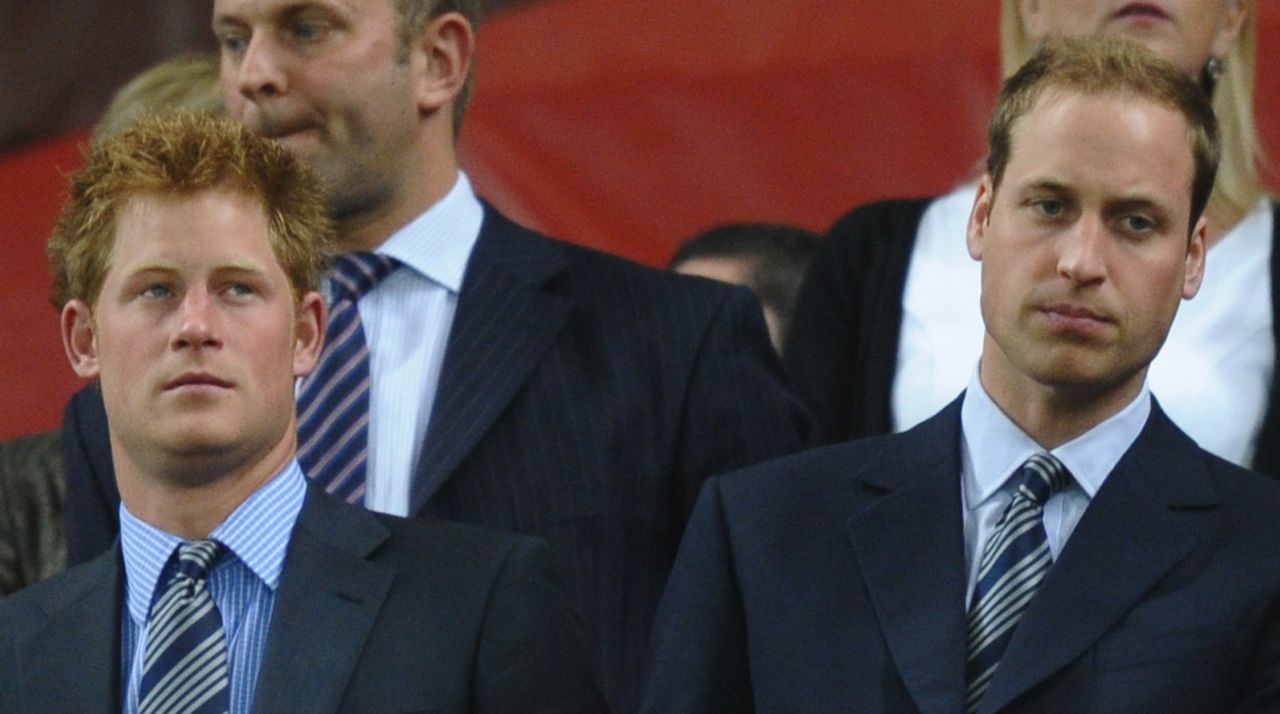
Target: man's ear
79 338
440 55
1196 250
308 333
979 217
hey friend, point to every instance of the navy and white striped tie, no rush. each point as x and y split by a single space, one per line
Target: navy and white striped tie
184 666
333 405
1014 561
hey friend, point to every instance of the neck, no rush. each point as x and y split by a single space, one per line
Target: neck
368 228
1053 414
190 496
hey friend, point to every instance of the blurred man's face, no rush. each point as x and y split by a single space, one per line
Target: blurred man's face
1084 246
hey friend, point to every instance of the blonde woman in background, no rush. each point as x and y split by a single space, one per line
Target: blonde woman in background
887 329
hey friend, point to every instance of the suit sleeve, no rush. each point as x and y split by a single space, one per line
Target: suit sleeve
698 648
532 656
738 410
93 501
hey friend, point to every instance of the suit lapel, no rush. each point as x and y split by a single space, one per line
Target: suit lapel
502 327
329 597
74 664
909 545
1131 535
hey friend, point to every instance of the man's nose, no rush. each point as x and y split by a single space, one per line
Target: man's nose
197 320
260 71
1082 258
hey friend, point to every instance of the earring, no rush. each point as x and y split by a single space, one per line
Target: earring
1210 75
1213 68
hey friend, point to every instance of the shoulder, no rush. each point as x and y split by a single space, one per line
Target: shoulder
1247 501
26 611
877 226
814 489
426 542
840 479
619 293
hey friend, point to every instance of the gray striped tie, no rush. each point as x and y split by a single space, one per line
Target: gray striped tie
1014 561
184 668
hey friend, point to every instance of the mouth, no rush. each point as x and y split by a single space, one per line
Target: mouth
280 128
1075 319
1141 12
197 381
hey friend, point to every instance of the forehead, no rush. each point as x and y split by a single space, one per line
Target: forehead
208 225
1108 138
274 10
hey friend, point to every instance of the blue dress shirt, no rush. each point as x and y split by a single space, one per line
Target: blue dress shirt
243 583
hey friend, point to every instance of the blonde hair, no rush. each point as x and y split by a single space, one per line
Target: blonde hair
182 154
1116 65
187 81
1238 186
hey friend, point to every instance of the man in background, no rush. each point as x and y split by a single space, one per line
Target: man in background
769 259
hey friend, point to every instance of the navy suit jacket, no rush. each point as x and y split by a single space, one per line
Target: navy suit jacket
584 399
834 581
373 614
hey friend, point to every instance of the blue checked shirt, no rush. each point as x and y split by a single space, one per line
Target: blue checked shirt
243 583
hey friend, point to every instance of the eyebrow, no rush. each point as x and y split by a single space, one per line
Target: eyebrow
234 267
1046 185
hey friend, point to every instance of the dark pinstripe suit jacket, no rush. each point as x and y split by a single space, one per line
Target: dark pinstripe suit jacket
583 399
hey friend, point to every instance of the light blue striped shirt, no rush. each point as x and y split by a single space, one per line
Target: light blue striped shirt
243 582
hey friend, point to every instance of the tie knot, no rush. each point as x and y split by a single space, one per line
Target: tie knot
355 274
197 557
1041 476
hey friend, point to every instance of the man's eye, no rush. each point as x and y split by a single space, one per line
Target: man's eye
156 291
1138 224
240 289
1049 207
231 44
308 31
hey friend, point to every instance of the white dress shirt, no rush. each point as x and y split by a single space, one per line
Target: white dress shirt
1212 376
407 319
992 450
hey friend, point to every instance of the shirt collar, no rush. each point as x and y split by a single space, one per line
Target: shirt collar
996 447
438 243
257 533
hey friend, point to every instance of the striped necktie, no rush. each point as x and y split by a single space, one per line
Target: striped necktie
184 667
333 405
1014 562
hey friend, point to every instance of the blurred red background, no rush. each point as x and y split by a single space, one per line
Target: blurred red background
629 125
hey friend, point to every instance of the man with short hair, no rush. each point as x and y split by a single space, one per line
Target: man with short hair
187 262
1050 541
768 258
512 381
